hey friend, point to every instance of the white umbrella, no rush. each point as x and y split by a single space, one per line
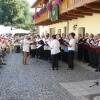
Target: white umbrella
5 29
20 31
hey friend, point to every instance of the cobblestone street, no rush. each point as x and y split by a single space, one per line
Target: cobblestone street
37 81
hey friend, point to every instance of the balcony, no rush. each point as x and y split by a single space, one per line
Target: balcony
71 9
80 8
63 6
73 4
42 18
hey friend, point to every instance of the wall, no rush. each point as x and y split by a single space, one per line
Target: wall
91 24
43 30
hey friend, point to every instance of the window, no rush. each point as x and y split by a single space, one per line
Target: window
59 31
52 31
65 30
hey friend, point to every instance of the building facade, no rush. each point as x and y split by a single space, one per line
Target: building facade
65 16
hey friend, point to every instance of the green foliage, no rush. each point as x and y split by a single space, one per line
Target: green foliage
16 13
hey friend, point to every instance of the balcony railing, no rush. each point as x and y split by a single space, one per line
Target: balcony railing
76 3
42 18
63 6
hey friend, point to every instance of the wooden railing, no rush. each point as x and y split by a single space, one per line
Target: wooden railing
63 6
76 3
72 4
42 18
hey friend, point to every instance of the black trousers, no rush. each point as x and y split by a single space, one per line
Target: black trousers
86 55
33 52
55 59
80 52
71 59
17 49
46 54
39 52
64 56
97 61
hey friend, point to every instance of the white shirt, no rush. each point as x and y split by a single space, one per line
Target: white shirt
55 47
72 44
98 43
38 45
26 45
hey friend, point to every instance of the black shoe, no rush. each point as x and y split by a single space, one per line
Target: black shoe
53 68
70 68
89 64
97 70
4 64
0 66
57 68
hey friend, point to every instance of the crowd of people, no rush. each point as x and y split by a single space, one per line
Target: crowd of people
4 45
89 50
64 48
54 48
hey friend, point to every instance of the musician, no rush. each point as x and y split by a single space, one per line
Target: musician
71 51
91 50
33 47
80 47
61 41
40 44
47 47
55 50
65 48
86 47
98 53
26 49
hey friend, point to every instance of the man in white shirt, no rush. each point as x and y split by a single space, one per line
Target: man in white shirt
55 50
71 51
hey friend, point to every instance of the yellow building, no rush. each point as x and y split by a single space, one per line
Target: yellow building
79 16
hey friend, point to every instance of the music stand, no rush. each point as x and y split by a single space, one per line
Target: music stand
97 83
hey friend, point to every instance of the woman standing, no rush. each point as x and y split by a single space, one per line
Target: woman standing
71 51
26 49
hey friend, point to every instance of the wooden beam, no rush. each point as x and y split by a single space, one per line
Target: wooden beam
74 14
95 5
67 17
90 9
84 12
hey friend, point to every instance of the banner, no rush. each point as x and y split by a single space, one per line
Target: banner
54 14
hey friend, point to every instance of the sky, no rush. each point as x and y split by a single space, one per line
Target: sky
31 2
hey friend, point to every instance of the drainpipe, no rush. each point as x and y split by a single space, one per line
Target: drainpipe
67 26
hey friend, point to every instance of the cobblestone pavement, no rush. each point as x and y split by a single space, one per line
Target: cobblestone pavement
37 81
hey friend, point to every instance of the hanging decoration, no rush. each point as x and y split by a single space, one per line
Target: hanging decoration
57 2
37 14
42 10
33 17
49 7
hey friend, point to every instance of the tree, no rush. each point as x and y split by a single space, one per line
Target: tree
15 12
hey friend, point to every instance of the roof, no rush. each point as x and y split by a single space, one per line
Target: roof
38 3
